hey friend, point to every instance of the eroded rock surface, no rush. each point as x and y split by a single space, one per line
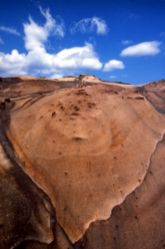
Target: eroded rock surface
25 213
94 151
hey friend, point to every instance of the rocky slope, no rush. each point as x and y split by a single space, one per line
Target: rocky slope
82 164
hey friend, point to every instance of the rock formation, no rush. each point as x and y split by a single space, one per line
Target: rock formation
82 164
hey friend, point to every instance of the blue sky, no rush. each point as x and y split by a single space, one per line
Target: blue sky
115 40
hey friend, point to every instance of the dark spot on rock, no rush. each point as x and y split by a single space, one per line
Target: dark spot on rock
59 104
76 108
7 100
114 157
140 98
139 180
77 138
65 173
81 92
74 114
60 120
2 105
62 107
65 209
117 226
136 217
89 105
53 114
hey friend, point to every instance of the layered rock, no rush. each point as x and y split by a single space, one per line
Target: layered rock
96 152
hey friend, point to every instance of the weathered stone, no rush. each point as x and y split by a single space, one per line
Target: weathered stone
89 157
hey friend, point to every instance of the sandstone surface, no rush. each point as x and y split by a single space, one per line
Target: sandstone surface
82 164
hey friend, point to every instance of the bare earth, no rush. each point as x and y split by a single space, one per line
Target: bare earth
82 164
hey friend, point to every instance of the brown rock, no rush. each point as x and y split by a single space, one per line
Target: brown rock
97 152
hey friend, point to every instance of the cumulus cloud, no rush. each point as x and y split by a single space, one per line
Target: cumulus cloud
12 64
86 25
37 61
113 64
77 57
9 30
142 49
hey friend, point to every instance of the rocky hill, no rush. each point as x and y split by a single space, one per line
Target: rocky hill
82 164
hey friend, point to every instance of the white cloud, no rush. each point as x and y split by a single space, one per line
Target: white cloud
37 61
9 30
53 25
12 64
36 35
86 25
141 49
113 64
56 76
77 57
